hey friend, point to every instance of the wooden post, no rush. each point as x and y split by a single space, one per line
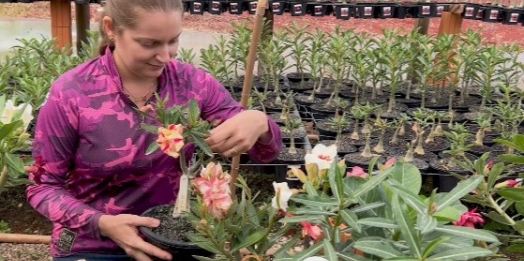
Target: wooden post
82 24
422 24
61 22
451 21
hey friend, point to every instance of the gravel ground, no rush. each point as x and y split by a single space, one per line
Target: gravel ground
24 252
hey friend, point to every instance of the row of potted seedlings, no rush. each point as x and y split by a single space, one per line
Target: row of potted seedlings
392 96
362 9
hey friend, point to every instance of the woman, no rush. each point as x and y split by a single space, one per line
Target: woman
92 178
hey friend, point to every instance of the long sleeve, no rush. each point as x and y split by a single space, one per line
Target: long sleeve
219 104
54 149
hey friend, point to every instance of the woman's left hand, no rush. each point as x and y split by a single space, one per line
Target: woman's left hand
239 133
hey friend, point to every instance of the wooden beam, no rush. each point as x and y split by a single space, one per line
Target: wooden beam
451 20
82 24
61 22
422 24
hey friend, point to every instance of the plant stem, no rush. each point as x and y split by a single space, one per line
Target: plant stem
501 212
3 179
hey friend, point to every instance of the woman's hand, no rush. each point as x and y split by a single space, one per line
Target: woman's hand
239 133
123 230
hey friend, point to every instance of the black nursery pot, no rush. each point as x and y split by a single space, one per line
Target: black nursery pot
277 7
384 10
216 7
365 10
196 7
470 11
297 8
318 9
491 14
178 249
344 11
402 11
511 16
235 7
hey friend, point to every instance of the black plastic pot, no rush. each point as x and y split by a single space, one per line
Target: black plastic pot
402 11
235 7
511 16
297 8
366 10
470 11
277 7
179 250
318 9
217 7
491 14
384 10
344 11
426 10
196 7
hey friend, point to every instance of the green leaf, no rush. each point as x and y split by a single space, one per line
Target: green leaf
411 199
511 158
433 245
466 232
519 225
311 251
497 218
364 208
494 173
351 219
372 182
378 222
426 223
461 254
516 194
406 226
203 258
194 112
296 219
460 190
408 176
152 148
250 240
14 162
202 145
516 248
315 201
449 213
351 257
329 250
303 211
520 207
377 247
8 129
203 243
402 258
335 181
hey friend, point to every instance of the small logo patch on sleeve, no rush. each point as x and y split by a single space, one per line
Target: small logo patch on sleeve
66 239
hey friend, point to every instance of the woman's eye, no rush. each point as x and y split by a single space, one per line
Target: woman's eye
147 44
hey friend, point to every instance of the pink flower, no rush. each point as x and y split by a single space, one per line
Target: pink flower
357 172
313 231
389 163
469 219
170 139
213 186
508 183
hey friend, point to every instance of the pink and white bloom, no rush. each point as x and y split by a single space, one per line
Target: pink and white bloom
213 186
282 196
313 231
469 219
170 139
9 111
322 155
511 183
357 172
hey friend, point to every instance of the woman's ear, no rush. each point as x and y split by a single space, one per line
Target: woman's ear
108 26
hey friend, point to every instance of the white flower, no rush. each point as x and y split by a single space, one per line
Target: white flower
321 155
282 195
10 110
315 258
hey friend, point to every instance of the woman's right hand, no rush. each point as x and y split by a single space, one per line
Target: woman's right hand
123 230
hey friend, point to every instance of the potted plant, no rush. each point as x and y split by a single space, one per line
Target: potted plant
297 43
316 62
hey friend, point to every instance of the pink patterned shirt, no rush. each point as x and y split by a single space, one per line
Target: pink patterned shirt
91 150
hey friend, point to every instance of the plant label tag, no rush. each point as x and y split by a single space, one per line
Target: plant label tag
480 14
493 15
276 6
426 9
367 10
386 11
197 7
440 9
253 6
66 238
514 18
344 11
233 7
469 11
318 10
215 6
297 8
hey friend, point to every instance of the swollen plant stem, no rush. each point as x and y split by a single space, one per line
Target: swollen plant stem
501 212
3 179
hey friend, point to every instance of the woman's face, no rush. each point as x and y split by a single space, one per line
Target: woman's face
143 52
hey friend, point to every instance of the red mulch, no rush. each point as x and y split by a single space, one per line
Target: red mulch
491 32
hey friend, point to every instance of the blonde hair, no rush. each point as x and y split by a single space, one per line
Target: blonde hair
123 14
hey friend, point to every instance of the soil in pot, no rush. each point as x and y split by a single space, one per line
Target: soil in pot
420 164
323 108
395 113
388 149
304 99
291 158
324 93
344 147
298 133
357 159
297 77
411 103
428 156
301 87
326 129
171 234
488 139
437 145
479 150
443 165
277 119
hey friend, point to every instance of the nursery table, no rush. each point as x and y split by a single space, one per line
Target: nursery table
61 22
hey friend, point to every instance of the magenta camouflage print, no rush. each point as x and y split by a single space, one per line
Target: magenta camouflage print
91 150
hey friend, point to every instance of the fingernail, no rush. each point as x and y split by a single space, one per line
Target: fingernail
156 223
168 258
